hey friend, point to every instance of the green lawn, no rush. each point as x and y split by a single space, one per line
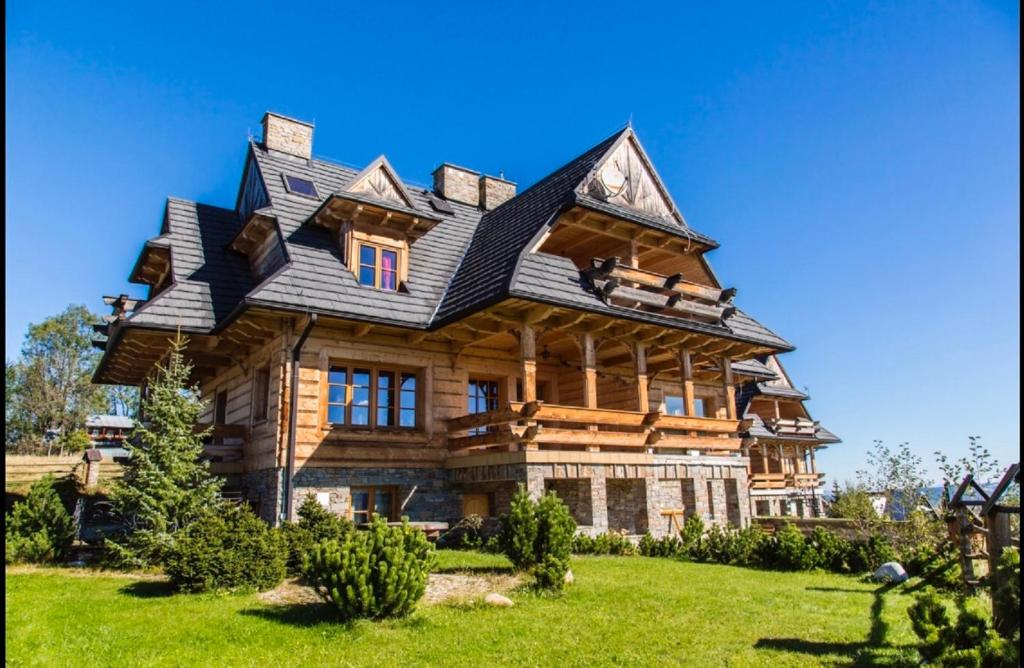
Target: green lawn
620 611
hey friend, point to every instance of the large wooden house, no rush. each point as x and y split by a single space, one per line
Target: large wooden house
405 351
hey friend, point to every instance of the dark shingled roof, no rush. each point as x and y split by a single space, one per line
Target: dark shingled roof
208 280
467 261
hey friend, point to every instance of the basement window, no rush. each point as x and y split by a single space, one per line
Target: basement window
300 186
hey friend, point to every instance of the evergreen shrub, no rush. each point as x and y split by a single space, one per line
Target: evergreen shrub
316 524
538 536
38 529
227 547
377 573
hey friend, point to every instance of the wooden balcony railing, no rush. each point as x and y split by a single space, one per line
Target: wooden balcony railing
622 282
806 479
767 480
225 446
531 425
796 427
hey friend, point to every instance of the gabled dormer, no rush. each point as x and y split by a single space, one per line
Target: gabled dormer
376 221
261 241
631 245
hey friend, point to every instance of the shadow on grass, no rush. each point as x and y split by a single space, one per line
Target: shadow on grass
148 589
876 650
475 570
303 615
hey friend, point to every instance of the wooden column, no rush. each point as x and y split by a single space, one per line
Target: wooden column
643 403
686 369
528 359
730 388
764 457
589 371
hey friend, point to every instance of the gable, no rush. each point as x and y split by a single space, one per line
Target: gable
626 177
380 181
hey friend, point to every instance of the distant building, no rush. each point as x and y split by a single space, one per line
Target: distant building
108 433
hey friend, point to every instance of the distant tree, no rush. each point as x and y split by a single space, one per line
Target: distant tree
978 462
123 400
51 384
165 485
897 474
853 503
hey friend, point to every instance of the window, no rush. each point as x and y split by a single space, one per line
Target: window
300 186
674 405
378 267
369 397
260 393
482 397
220 408
368 502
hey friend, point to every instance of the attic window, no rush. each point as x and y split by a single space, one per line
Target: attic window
300 186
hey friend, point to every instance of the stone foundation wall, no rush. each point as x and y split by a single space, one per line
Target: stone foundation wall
627 505
575 492
423 494
263 489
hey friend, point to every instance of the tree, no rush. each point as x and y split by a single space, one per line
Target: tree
51 384
165 484
852 503
123 400
979 463
897 474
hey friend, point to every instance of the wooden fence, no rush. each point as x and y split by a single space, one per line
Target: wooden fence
23 470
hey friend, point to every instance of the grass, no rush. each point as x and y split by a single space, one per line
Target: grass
620 611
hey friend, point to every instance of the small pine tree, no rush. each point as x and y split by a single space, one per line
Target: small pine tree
519 530
165 485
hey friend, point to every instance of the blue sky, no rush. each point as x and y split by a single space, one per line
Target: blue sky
859 163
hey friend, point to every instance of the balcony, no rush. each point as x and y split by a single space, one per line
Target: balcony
626 285
535 425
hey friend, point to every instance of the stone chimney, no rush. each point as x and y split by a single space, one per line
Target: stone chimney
457 184
288 135
495 191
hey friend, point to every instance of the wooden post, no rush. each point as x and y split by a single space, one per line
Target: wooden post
589 371
686 368
643 403
528 359
814 468
730 388
997 537
590 380
764 457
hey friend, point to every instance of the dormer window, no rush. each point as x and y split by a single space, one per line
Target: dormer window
378 267
300 186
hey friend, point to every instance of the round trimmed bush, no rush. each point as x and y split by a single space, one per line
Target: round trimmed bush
377 573
226 548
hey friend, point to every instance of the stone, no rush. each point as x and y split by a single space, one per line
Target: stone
498 600
890 571
569 577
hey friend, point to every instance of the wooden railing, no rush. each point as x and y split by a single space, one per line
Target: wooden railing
614 279
795 427
225 446
767 480
531 425
806 479
784 480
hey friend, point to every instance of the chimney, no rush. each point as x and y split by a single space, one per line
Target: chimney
495 191
288 135
457 184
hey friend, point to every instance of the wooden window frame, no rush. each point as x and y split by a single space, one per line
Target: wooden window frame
256 417
375 371
351 238
371 503
216 406
378 265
